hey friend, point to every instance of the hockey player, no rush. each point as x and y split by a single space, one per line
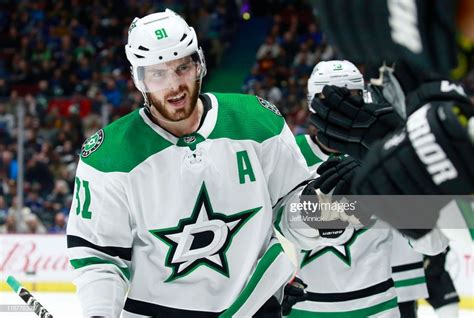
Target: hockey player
356 261
172 214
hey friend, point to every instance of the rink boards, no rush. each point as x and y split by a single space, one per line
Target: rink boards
40 262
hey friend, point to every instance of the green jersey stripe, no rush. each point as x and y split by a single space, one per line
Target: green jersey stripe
410 282
308 153
359 313
262 267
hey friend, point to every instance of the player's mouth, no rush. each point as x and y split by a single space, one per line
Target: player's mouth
177 101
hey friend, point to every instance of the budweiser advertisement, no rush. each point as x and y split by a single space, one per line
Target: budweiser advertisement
35 257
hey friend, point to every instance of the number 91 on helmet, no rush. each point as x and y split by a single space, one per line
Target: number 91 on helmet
163 52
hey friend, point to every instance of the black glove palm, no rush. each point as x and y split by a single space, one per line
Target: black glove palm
336 173
347 124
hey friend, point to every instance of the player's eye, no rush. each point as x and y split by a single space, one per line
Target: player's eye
158 73
184 67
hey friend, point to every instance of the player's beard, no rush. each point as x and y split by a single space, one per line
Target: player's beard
170 113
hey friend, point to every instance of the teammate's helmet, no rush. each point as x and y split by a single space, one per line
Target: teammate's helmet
159 38
335 72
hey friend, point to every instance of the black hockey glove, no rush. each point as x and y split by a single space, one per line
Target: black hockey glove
347 124
294 293
432 155
437 91
335 178
336 173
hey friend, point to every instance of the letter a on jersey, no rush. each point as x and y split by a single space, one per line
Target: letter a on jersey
201 239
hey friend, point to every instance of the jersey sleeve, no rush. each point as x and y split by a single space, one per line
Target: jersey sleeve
432 243
99 238
287 174
284 165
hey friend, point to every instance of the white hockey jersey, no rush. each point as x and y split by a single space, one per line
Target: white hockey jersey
183 224
349 276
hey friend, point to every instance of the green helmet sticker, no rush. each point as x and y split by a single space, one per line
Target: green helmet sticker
92 143
160 34
337 67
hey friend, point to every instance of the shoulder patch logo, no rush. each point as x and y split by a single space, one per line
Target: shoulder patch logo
268 105
92 143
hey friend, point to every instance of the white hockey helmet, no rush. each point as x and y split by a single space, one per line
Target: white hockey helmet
340 73
159 38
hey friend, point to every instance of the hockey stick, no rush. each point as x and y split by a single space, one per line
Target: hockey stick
28 298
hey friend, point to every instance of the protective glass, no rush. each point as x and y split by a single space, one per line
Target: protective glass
162 76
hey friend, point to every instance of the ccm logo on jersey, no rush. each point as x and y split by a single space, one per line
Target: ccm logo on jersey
429 152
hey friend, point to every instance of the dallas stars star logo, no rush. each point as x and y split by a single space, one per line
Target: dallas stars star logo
343 252
201 239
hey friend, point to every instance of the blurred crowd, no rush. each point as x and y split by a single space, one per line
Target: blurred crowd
65 61
284 62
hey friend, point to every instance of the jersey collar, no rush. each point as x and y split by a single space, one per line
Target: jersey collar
202 133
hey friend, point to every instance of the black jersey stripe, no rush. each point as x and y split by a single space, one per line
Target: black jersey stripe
122 252
271 308
407 267
361 293
154 310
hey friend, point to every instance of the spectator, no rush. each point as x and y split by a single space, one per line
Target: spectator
11 225
34 225
38 172
9 164
269 49
34 201
3 210
7 121
60 193
59 226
